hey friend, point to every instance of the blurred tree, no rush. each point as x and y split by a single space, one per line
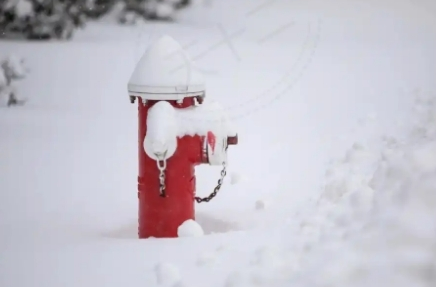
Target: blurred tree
40 19
95 9
47 19
150 10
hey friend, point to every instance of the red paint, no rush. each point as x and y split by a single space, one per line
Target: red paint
211 140
158 216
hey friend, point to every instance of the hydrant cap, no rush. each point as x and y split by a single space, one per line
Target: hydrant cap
166 72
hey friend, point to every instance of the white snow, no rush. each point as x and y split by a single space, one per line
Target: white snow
261 204
165 122
165 10
3 79
353 195
190 228
206 258
4 89
23 8
14 65
382 217
165 72
162 129
209 116
235 177
167 274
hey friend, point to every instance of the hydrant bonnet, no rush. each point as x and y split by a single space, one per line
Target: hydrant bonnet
165 72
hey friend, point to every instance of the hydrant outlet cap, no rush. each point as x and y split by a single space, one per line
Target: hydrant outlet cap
166 72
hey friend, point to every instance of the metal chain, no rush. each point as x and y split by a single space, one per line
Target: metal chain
162 165
216 189
162 168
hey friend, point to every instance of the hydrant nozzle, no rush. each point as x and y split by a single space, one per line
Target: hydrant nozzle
232 140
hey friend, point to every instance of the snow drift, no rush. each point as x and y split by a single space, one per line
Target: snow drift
376 218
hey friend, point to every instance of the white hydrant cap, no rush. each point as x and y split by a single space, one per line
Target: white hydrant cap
166 72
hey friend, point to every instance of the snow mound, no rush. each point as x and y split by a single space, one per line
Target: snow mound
235 279
167 274
377 217
190 228
235 178
182 284
206 258
260 204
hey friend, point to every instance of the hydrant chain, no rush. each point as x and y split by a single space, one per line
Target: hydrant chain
216 189
162 168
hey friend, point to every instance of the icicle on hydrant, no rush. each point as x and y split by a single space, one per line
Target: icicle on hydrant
177 131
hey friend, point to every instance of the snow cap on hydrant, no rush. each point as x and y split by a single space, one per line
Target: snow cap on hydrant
166 72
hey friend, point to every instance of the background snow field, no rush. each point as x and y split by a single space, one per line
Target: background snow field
333 182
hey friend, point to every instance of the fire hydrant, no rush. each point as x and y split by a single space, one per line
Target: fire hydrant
177 131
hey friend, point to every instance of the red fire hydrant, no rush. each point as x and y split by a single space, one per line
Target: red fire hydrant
176 132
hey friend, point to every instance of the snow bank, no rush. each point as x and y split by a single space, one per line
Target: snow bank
377 216
167 274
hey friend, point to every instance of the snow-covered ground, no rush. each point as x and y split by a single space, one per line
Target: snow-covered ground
331 184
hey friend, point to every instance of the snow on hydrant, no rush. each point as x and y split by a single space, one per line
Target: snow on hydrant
177 131
11 69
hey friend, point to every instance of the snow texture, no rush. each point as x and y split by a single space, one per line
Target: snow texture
167 274
353 194
209 116
162 130
14 67
206 258
261 204
190 228
165 69
23 8
235 177
3 79
165 122
165 10
381 217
